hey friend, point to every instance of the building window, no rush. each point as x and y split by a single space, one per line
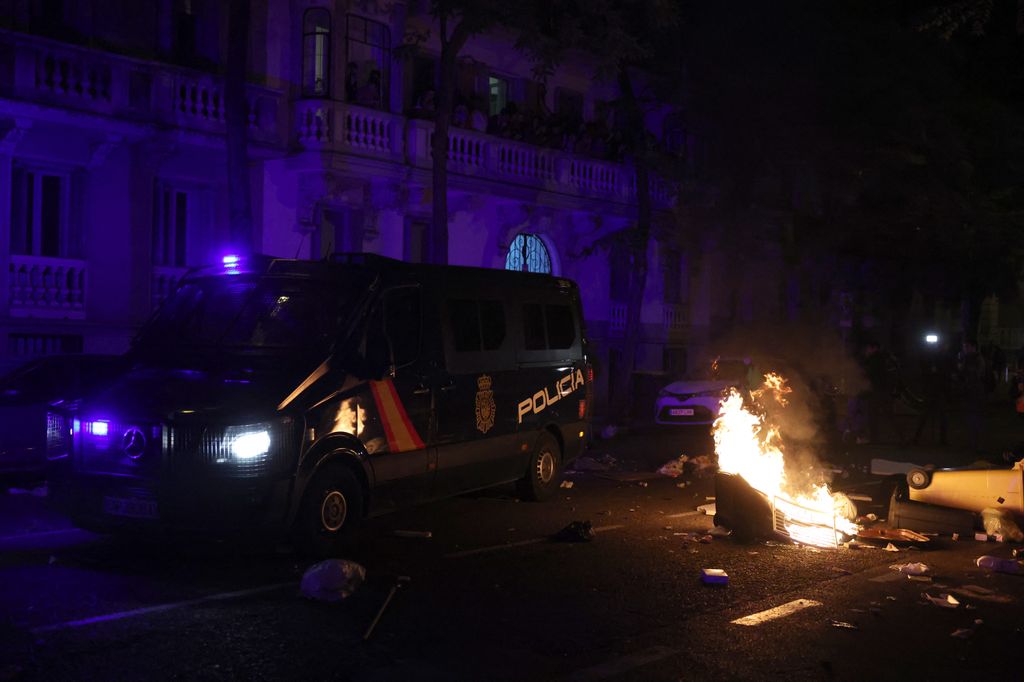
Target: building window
39 213
316 53
498 95
367 62
170 226
527 253
185 23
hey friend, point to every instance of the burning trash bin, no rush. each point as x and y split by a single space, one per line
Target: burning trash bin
753 496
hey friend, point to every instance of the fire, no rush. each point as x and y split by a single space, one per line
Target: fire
747 445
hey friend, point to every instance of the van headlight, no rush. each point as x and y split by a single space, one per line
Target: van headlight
250 443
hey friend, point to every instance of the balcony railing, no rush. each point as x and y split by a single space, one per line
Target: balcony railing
46 71
326 124
617 319
674 316
39 286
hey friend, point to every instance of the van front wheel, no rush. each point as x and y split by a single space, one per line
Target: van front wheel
331 511
544 473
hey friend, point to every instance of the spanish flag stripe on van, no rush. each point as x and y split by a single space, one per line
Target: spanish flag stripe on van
400 432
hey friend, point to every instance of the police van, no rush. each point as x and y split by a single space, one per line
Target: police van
304 396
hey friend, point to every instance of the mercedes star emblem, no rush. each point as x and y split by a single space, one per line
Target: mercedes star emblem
133 442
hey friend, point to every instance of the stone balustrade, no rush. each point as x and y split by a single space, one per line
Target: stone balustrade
326 124
78 78
39 286
475 153
674 316
617 318
94 81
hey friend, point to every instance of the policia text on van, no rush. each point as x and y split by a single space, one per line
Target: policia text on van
303 396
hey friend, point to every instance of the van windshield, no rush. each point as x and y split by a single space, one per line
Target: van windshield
250 313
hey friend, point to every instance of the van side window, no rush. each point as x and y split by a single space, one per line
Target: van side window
533 327
561 330
477 325
492 324
403 323
465 323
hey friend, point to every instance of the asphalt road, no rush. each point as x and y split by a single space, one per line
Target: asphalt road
491 597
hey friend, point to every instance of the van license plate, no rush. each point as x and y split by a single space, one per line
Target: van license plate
681 412
133 507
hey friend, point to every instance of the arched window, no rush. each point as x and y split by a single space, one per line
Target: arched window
527 253
316 53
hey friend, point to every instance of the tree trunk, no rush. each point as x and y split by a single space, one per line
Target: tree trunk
236 115
445 103
638 244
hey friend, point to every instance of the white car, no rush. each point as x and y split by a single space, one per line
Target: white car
696 401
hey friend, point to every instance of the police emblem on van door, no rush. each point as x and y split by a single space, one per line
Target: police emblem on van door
484 404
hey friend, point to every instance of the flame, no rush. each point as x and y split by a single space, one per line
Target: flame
747 445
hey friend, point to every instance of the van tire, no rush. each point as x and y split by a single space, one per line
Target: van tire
332 509
544 472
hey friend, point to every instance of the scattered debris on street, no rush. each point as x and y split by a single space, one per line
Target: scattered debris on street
714 576
577 531
332 580
674 468
965 633
1000 522
400 582
993 563
945 600
914 568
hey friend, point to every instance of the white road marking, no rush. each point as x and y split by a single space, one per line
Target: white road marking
521 543
41 534
159 608
778 612
689 513
618 666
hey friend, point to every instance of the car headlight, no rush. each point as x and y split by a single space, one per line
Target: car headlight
248 442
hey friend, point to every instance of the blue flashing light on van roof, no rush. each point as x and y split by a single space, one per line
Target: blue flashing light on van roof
231 263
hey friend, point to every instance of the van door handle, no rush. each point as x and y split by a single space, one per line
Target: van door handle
449 386
420 390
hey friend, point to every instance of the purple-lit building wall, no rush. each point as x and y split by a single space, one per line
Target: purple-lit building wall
113 169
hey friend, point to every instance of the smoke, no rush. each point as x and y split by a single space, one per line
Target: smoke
819 373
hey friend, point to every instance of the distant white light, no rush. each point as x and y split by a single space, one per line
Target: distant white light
931 338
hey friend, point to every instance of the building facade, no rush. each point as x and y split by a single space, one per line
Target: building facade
113 175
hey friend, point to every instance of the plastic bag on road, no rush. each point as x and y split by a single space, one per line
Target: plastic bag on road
1001 522
916 568
577 531
994 563
332 580
674 468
